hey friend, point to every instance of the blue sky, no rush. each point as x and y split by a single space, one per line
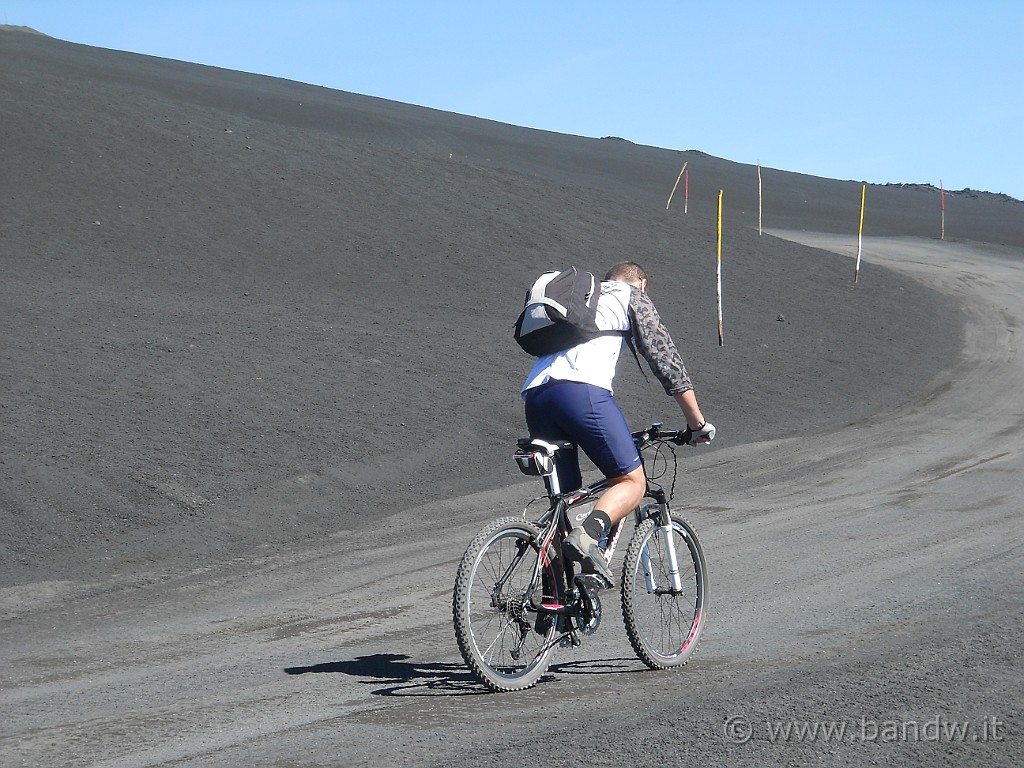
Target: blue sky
893 91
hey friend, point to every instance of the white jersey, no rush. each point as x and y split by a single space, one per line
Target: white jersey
592 362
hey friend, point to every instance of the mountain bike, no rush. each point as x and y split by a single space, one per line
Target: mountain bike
517 599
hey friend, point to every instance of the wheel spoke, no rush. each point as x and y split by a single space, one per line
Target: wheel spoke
504 641
663 625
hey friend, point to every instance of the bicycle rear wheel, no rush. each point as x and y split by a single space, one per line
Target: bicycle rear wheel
664 623
506 644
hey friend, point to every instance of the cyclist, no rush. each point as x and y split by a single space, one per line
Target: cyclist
568 396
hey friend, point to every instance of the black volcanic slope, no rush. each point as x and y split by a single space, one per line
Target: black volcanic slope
239 311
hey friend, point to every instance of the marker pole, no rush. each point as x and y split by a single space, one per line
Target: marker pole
860 234
721 335
942 197
681 171
759 198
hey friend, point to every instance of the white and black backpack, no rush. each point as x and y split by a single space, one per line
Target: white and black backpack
560 312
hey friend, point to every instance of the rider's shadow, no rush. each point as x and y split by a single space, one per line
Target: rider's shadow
400 676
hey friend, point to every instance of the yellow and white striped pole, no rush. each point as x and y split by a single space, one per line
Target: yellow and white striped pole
721 336
860 234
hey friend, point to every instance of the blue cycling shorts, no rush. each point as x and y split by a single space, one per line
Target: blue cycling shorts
590 417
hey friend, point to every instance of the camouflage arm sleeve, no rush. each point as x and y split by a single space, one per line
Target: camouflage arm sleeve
653 341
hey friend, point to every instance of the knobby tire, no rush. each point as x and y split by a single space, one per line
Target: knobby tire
664 626
507 646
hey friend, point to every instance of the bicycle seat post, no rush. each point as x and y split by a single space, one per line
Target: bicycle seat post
551 481
551 484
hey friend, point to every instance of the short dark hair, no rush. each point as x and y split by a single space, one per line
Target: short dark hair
627 272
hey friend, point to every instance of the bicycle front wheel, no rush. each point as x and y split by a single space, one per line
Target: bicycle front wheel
507 644
664 616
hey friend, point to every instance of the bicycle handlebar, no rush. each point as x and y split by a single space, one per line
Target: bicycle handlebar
643 439
655 433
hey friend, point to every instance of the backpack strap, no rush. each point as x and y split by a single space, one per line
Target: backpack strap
632 348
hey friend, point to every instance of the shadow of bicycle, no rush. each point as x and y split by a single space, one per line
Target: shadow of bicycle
399 675
620 666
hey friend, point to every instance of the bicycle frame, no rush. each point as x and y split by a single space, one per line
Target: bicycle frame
555 524
517 597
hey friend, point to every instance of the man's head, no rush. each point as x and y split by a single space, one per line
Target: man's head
628 272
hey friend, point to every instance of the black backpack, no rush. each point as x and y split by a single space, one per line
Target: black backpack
560 312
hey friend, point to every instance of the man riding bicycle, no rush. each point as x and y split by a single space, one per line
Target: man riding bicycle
569 396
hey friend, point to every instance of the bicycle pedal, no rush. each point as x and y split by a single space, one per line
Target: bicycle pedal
572 639
591 584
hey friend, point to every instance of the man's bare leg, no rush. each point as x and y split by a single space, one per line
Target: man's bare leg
623 494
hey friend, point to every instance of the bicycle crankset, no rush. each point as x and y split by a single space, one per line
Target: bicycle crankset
590 603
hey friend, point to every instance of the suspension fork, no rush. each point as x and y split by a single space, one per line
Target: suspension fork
663 520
